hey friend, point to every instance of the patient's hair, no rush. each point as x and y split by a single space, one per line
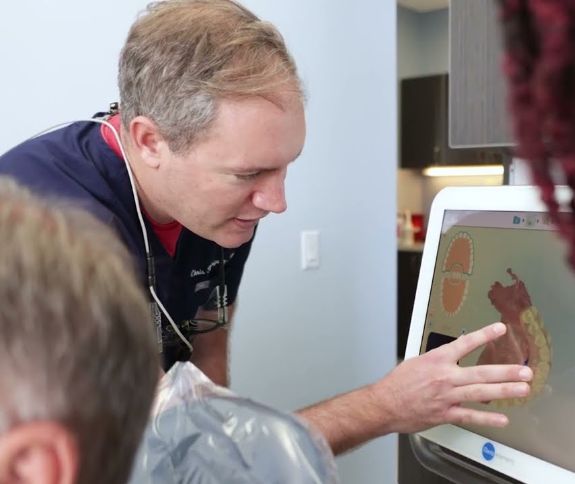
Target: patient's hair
76 344
540 68
183 56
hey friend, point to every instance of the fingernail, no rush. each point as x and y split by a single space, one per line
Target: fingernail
525 373
522 390
499 328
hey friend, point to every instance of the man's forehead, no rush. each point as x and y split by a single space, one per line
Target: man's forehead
255 126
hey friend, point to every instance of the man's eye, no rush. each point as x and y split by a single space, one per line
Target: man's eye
247 176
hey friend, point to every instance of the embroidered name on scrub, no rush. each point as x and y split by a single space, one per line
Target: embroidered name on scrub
205 284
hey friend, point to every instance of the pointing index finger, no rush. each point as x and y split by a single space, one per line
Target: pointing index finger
465 344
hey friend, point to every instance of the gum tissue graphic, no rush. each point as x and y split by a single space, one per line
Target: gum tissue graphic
526 341
457 268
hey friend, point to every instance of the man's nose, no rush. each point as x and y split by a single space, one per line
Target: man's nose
270 195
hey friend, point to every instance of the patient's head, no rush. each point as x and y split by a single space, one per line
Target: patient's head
78 363
540 67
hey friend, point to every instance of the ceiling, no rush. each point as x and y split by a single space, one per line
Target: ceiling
424 5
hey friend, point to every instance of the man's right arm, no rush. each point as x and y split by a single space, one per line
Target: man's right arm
420 393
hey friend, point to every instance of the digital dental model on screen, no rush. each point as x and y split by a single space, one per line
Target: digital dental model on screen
492 254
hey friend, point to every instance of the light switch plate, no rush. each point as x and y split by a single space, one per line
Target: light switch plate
309 249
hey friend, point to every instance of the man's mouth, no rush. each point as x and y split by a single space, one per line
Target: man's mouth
246 223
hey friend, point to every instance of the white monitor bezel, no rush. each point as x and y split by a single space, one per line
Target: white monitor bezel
507 460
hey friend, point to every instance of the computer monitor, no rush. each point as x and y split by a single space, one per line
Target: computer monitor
492 254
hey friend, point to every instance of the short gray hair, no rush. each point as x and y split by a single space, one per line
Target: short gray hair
76 341
182 56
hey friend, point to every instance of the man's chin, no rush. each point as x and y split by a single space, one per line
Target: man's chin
233 239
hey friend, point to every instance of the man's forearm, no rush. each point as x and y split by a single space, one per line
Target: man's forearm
211 355
351 419
211 349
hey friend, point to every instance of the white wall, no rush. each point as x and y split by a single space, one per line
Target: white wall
422 42
409 61
300 336
303 336
58 61
434 28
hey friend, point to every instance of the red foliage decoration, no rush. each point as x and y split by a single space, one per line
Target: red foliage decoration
539 64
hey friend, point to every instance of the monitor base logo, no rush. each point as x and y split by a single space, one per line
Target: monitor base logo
488 451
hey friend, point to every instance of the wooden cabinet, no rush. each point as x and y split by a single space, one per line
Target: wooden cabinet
478 108
421 120
424 105
424 127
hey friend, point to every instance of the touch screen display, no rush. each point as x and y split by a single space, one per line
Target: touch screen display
511 267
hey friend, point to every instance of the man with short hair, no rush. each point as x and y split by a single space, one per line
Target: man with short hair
211 115
78 359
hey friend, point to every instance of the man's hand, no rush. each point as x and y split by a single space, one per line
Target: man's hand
420 393
429 390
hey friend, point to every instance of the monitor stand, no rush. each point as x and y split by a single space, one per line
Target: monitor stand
453 466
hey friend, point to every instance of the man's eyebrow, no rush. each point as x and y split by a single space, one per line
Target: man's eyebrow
250 169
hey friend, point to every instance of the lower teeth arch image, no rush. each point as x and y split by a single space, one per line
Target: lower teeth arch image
526 341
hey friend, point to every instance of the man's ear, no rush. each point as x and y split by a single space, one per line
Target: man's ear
147 141
38 453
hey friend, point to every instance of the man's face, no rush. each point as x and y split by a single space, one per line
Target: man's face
234 175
